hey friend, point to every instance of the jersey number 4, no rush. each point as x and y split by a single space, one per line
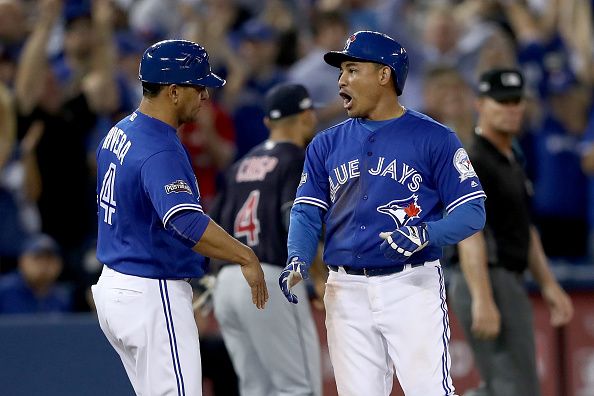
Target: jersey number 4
246 221
106 196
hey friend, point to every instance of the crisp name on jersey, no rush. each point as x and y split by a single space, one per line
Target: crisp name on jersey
178 186
255 168
117 142
401 173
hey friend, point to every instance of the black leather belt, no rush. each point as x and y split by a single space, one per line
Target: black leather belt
373 271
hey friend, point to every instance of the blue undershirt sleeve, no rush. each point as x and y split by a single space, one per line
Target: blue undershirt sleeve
305 229
188 226
459 224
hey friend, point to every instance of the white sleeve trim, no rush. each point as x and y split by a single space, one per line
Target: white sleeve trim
312 201
465 198
178 208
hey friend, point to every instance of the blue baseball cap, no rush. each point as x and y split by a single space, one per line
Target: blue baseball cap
41 243
256 30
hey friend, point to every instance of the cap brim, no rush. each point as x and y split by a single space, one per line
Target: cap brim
335 58
211 81
515 94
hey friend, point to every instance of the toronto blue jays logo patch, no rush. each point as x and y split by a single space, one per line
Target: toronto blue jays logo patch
178 186
463 165
402 210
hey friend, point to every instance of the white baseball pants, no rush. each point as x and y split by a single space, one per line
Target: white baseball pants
150 323
377 323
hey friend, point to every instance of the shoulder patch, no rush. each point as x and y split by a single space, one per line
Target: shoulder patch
463 165
303 179
178 186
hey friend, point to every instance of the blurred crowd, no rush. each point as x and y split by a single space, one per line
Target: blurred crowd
69 70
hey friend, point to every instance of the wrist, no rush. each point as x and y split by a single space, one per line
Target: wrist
426 227
248 257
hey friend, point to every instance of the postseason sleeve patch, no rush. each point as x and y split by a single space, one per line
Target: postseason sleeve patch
303 179
178 186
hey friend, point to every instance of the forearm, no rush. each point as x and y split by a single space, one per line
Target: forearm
30 73
7 125
474 264
458 225
537 262
218 244
523 23
305 229
577 32
99 85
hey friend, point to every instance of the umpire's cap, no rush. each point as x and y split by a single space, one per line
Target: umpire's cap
177 62
501 84
369 46
287 99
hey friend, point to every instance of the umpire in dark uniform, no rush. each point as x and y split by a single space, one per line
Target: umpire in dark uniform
487 290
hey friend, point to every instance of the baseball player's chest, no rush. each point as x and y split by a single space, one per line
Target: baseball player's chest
382 169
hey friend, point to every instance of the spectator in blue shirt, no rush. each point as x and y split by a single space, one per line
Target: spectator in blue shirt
33 287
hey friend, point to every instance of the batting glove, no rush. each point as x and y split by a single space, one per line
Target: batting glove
291 275
403 242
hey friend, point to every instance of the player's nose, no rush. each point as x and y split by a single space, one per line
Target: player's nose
342 80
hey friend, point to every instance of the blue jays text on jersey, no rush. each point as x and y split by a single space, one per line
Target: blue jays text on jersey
144 178
406 172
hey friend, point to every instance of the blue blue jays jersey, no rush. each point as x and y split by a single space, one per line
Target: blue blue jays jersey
144 177
408 171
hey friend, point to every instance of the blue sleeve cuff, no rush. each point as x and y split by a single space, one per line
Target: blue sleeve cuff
188 226
305 228
459 224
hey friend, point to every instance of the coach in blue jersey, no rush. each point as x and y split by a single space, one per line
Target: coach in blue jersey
153 234
381 182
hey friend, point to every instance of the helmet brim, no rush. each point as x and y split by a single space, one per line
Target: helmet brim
211 81
335 58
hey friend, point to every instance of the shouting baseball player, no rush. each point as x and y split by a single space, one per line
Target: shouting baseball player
381 182
275 351
153 234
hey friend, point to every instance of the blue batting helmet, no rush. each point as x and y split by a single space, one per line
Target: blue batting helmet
368 46
177 62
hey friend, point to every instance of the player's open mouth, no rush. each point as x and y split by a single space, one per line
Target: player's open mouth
347 100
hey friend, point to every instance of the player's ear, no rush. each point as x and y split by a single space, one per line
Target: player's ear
384 75
478 104
267 123
173 91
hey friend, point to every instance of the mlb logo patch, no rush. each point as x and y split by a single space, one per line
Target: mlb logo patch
178 186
